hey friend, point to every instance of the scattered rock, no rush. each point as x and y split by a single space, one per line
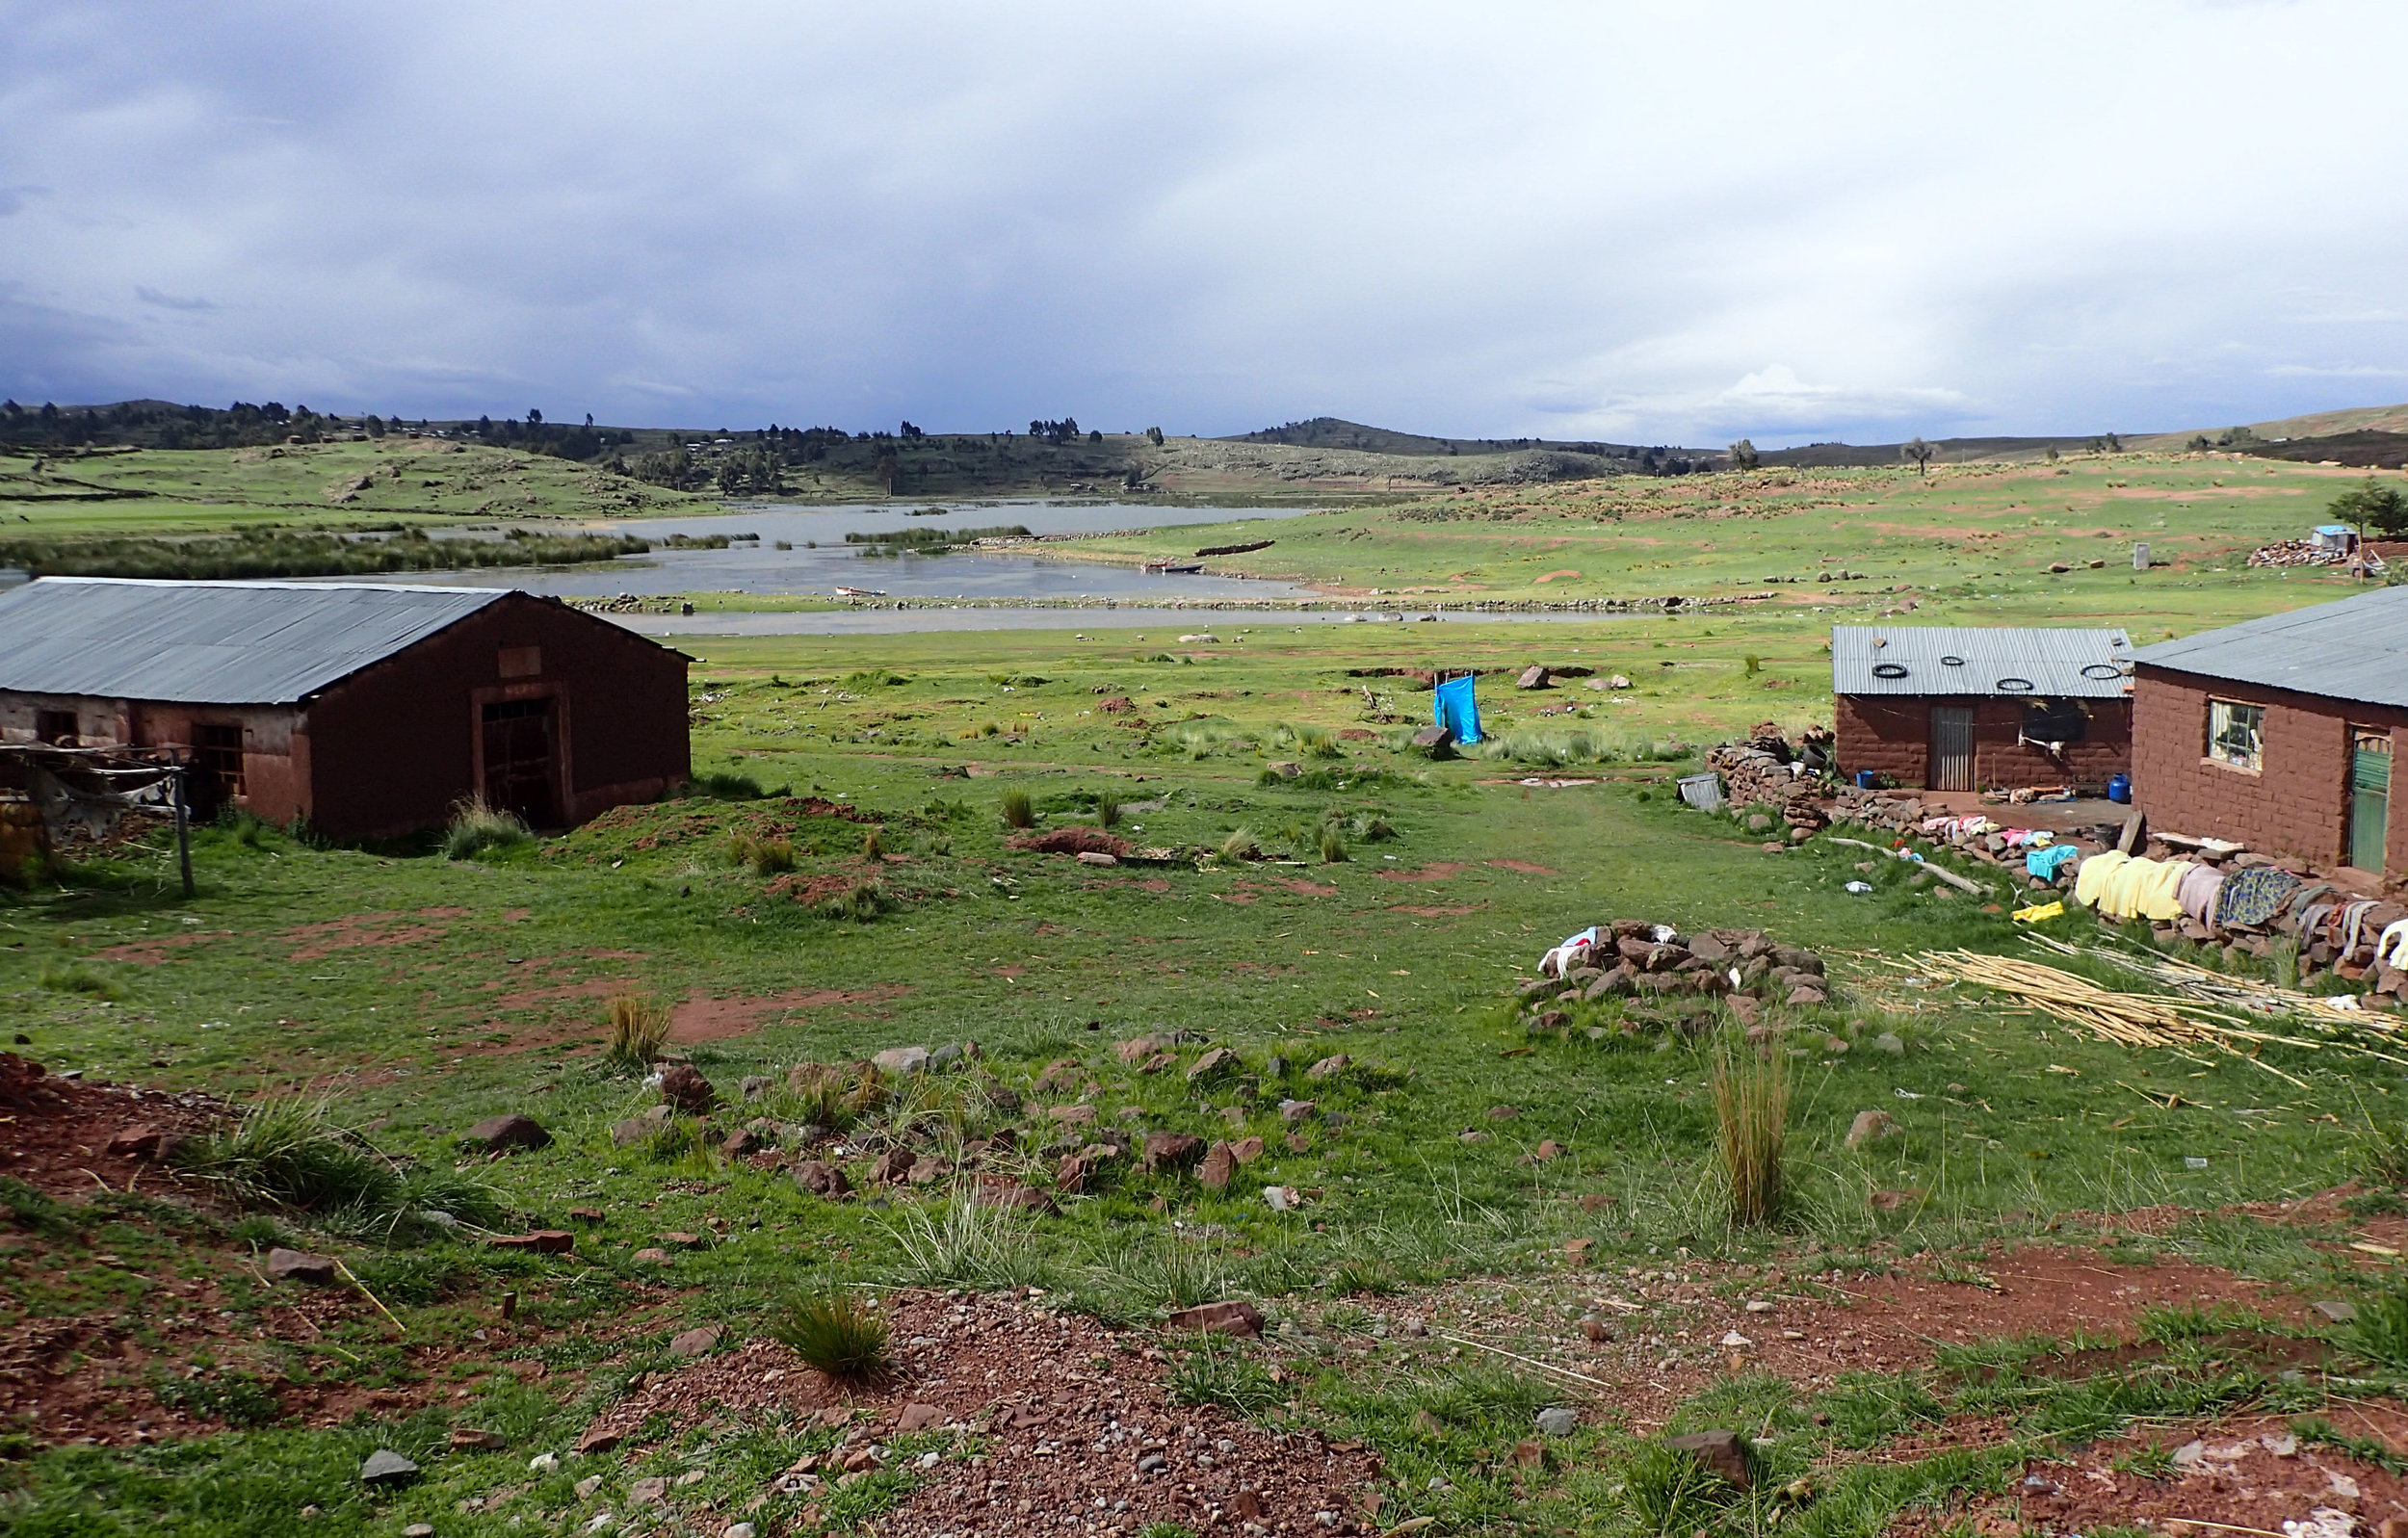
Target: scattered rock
1173 1151
541 1240
1097 857
1559 1420
1434 739
822 1179
630 1131
472 1439
1869 1125
892 1167
917 1417
1014 1198
386 1468
684 1088
1329 1067
1724 1453
1283 1198
695 1342
1219 1318
514 1130
756 1085
299 1265
147 1143
1213 1065
599 1439
1292 1111
902 1062
649 1492
1246 1149
1889 1041
1219 1163
651 1255
742 1141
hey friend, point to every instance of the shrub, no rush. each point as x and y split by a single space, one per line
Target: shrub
639 1027
287 1153
1019 812
477 827
838 1336
1751 1091
1107 809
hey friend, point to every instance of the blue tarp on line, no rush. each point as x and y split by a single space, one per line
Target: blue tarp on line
1457 710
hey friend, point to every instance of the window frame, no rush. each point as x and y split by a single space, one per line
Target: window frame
2215 753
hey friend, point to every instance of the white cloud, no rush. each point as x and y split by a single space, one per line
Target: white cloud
1655 224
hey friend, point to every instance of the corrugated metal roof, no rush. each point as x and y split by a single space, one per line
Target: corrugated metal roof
212 642
1942 660
2354 650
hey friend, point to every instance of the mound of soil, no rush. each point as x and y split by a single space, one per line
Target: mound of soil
61 1129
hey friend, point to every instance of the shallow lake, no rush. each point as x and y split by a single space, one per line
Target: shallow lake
760 566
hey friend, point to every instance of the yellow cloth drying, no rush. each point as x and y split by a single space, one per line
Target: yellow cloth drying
2159 888
2091 879
2039 912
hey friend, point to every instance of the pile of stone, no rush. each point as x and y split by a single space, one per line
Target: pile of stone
1634 958
1765 771
2297 553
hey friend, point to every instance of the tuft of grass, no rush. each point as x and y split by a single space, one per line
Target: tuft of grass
766 856
963 1245
1333 846
1241 845
727 787
2383 1155
873 843
1019 811
638 1029
1107 809
1751 1092
476 827
287 1153
839 1336
79 978
1671 1493
2380 1331
1222 1373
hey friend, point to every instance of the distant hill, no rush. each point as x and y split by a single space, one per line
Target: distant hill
1336 432
1947 451
2390 419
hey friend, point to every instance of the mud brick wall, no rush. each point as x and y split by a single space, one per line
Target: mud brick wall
1892 735
2298 801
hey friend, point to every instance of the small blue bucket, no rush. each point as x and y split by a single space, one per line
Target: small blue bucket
1867 779
2120 789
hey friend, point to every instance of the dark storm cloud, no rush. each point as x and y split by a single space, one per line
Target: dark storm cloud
1660 224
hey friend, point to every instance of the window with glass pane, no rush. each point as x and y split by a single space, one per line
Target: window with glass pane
2235 733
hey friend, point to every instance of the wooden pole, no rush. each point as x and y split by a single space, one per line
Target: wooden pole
183 831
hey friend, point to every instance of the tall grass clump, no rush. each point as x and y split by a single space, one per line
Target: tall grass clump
476 827
724 786
838 1336
1751 1091
1019 811
1241 845
1107 809
964 1244
287 1153
766 856
873 843
1333 846
638 1029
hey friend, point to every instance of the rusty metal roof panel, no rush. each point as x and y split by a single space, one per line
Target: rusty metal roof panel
212 642
2354 650
2036 662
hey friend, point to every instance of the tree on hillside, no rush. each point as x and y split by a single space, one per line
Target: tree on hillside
1154 436
1916 450
884 468
2376 504
1743 456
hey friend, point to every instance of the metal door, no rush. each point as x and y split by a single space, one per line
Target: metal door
2369 797
1952 747
521 739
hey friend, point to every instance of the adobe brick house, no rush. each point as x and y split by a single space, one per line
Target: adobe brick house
2280 733
1944 709
368 710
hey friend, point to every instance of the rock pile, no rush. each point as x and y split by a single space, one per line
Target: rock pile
1634 958
2308 552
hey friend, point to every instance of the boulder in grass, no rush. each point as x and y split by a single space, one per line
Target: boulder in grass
822 1179
902 1062
1221 1162
1213 1065
386 1468
495 1134
1725 1454
1532 678
684 1088
1171 1151
299 1265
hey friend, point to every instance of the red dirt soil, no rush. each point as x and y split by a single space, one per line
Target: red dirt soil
1427 872
700 1018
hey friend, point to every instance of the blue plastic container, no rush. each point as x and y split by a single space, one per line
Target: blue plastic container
2120 789
1867 781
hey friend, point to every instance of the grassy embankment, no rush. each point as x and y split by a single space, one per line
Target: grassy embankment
425 994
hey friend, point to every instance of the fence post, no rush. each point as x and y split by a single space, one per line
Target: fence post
183 831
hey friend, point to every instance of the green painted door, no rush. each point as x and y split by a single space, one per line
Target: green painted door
2369 797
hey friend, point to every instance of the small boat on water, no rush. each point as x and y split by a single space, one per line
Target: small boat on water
1172 568
861 593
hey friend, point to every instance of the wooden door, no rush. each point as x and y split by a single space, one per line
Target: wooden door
1952 747
521 742
2370 797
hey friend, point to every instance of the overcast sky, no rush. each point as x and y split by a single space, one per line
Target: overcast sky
1665 222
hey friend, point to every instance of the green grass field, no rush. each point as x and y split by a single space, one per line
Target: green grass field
416 995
